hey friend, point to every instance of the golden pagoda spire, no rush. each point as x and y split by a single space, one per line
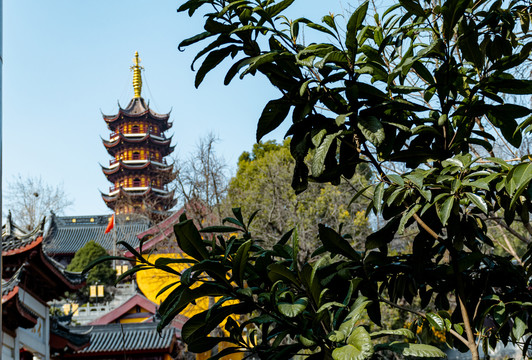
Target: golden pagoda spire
137 78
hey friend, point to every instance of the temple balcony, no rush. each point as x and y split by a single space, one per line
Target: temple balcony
114 162
114 135
137 187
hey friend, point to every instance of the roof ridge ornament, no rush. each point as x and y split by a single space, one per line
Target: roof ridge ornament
137 78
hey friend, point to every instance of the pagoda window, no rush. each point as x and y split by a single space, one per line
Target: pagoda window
136 182
136 155
135 129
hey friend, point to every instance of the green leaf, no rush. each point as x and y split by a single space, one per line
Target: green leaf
396 332
336 244
318 160
372 129
417 350
256 61
190 241
336 336
240 261
478 201
403 89
452 11
135 269
520 326
358 194
278 272
468 44
512 86
220 229
377 197
396 179
413 7
102 259
194 39
293 309
272 116
499 161
445 211
286 236
359 346
169 261
328 305
417 178
200 325
276 9
192 6
357 310
354 23
406 216
436 321
519 176
452 162
321 28
211 61
336 57
422 71
182 296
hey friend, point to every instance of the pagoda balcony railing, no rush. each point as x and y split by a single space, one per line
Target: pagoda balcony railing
117 133
116 188
114 161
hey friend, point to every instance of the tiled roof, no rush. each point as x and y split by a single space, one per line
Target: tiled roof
126 338
68 234
62 338
14 238
9 285
138 107
135 300
76 278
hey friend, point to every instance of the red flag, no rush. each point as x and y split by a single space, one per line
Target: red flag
111 224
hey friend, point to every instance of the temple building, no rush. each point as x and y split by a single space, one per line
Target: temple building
138 170
65 235
30 280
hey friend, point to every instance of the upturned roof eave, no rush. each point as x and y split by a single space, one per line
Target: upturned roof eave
123 166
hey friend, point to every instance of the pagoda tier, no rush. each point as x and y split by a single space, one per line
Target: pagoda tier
139 171
145 173
142 198
147 166
138 147
138 109
119 140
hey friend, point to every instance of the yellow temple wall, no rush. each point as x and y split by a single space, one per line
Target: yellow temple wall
153 280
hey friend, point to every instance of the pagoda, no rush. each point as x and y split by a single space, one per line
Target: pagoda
138 144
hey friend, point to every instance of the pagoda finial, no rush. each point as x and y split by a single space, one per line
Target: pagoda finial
137 78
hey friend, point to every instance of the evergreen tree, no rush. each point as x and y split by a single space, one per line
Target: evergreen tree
101 274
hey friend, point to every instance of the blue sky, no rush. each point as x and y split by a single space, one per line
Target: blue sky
66 61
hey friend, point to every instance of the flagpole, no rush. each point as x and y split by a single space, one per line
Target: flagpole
114 239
